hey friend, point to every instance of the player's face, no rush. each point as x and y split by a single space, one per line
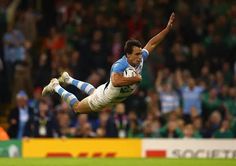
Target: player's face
135 57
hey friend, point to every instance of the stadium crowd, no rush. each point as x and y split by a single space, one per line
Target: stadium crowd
189 82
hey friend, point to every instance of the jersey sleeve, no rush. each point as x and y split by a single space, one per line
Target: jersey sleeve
118 68
145 53
200 89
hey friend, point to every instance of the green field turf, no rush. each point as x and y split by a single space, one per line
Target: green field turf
117 162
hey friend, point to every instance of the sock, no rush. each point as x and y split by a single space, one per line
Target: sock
66 96
83 86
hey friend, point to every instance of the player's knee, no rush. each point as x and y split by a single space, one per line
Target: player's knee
76 107
82 106
91 91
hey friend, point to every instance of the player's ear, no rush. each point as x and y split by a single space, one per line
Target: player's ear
127 55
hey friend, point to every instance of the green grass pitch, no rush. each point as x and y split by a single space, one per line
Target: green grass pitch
116 162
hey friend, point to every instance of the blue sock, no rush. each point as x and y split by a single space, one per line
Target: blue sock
83 86
69 98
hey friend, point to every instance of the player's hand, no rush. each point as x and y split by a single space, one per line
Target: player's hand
171 21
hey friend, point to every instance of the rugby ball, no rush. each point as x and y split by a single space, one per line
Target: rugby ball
129 72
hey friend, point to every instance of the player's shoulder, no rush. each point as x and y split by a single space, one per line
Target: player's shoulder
145 53
122 61
120 65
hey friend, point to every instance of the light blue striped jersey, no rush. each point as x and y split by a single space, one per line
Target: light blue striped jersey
191 98
118 94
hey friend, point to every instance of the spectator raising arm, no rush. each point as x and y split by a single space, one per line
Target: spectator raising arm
159 80
179 78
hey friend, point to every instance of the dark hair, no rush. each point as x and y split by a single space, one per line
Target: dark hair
129 44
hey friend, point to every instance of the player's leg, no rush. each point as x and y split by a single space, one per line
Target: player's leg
83 86
54 86
80 107
93 103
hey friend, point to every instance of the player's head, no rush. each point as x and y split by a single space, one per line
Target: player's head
133 52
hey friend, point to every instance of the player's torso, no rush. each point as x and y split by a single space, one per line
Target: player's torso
118 94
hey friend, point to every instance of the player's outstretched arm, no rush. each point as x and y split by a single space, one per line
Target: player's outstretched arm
153 42
118 80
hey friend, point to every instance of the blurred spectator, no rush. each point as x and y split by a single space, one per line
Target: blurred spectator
100 132
212 125
96 77
233 127
22 80
191 95
34 102
150 126
116 48
3 135
56 41
21 118
169 99
188 131
198 126
155 127
102 120
177 57
204 76
44 71
97 50
227 73
153 103
170 130
134 125
11 11
180 123
224 131
64 121
44 125
81 120
120 119
86 131
195 60
14 50
135 26
230 102
27 24
115 123
210 103
147 130
77 65
136 102
134 130
65 130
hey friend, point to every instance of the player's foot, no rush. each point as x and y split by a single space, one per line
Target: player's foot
64 78
50 87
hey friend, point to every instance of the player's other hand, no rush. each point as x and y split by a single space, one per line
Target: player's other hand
138 78
171 21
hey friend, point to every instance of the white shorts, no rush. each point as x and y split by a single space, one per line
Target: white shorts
98 100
